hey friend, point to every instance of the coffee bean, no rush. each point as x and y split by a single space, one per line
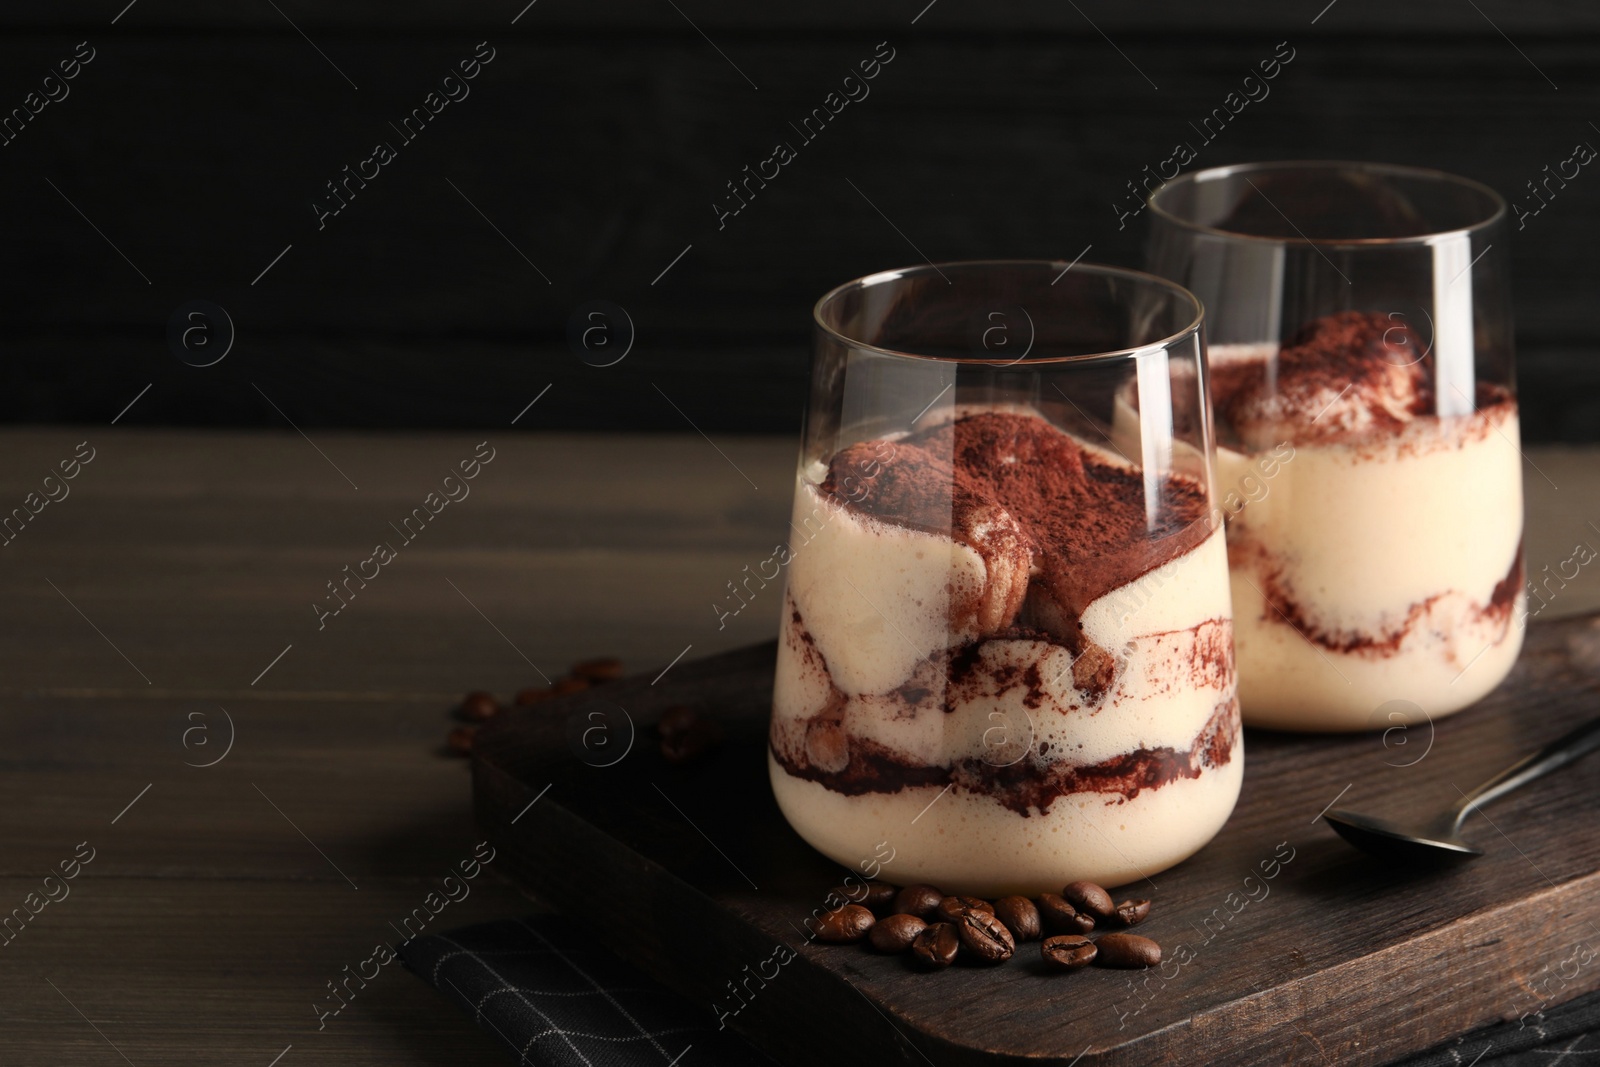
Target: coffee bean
1020 916
880 896
1068 952
1127 950
606 669
1059 917
985 937
478 706
874 896
1086 896
686 734
919 900
952 908
895 933
1055 914
842 926
532 695
1132 912
562 686
936 946
675 719
692 742
460 740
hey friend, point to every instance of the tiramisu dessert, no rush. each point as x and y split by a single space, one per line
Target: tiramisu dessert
1376 550
998 659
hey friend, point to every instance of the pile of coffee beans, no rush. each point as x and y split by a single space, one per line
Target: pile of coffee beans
479 706
935 930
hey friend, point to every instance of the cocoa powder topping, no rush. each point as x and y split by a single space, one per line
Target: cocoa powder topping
1080 516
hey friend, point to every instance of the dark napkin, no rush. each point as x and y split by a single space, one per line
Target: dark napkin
1570 1029
554 997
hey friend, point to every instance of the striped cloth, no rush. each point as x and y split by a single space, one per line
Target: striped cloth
1566 1034
553 997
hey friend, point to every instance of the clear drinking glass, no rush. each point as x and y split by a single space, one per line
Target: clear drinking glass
1006 656
1359 319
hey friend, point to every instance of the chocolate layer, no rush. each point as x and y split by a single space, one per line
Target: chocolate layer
1025 787
1286 607
820 748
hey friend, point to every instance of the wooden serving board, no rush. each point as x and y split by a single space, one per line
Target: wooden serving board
691 872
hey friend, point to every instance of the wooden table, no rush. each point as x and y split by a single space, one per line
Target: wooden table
170 593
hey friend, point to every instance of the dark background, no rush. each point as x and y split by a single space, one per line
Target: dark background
597 141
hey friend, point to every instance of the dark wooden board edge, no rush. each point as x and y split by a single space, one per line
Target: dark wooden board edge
1406 989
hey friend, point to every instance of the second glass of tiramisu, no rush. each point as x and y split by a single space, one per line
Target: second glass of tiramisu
1006 655
1368 459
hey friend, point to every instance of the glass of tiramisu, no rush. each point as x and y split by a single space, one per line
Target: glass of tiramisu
1368 462
1006 648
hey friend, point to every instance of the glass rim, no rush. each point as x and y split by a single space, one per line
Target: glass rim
1138 277
1441 177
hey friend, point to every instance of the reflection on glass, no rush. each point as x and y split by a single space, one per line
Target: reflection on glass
1006 648
1361 367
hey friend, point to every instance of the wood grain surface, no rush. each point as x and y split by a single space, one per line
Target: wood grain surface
1283 945
206 926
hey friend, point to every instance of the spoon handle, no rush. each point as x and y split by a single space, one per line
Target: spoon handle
1558 753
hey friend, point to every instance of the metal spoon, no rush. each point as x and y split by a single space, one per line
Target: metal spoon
1440 837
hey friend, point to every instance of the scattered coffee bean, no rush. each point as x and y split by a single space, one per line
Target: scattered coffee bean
478 705
532 695
1133 912
686 734
844 925
692 742
1068 952
605 669
951 909
874 896
1126 950
1059 917
675 719
1020 916
985 937
460 740
919 900
895 933
563 686
1086 896
1055 914
936 946
880 897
